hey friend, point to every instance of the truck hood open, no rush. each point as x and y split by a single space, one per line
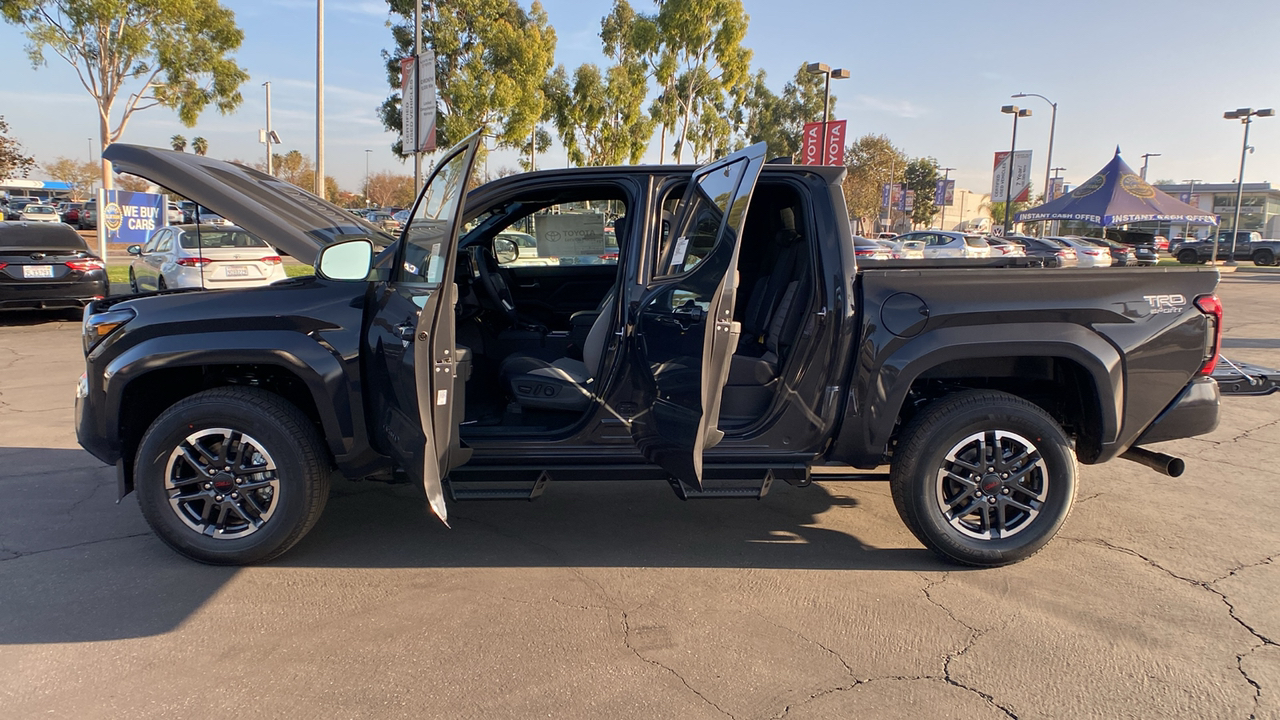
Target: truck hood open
286 216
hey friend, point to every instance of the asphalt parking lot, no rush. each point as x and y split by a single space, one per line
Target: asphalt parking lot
618 601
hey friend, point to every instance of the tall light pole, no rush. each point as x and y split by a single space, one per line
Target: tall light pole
1053 122
1016 112
417 51
367 153
838 74
1144 162
1245 116
946 174
267 85
319 184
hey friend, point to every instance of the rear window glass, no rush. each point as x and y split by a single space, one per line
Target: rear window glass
48 236
975 241
221 239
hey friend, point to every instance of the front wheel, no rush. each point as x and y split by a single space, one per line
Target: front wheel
231 476
983 478
133 282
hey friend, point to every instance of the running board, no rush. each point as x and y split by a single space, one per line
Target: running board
498 491
723 489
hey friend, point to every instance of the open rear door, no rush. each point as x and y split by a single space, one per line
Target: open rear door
413 332
684 334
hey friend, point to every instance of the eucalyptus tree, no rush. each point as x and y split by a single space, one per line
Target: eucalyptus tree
138 53
492 57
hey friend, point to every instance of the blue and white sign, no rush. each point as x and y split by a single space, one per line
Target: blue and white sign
130 217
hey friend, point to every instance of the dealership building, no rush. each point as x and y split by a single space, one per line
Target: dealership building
1259 207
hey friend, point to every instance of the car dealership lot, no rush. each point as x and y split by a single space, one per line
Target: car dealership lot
1157 600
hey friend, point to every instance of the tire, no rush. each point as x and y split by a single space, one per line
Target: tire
1264 257
1188 257
285 481
1031 501
160 283
133 282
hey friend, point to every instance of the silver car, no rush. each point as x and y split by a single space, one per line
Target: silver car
1087 254
204 256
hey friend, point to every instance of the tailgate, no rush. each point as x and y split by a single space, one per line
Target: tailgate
1242 378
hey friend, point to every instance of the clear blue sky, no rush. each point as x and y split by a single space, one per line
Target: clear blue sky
1152 76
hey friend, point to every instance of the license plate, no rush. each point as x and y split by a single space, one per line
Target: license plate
37 271
237 271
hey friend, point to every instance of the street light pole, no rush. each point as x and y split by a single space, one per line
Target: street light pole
417 52
946 174
1144 162
838 74
319 183
367 153
267 85
1245 116
1053 123
1016 112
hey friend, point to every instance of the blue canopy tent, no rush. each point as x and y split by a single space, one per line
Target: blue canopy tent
1116 195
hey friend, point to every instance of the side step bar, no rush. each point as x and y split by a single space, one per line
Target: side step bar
498 491
722 489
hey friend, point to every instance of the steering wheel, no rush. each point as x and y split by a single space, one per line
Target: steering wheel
492 284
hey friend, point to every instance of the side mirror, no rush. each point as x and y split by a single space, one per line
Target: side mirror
505 251
348 261
134 249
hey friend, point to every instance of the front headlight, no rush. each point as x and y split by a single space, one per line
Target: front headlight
97 326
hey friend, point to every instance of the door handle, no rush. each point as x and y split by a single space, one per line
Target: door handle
405 332
531 285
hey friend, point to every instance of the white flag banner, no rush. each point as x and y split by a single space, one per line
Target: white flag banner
1021 177
426 101
408 108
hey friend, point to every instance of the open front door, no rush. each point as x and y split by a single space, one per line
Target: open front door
412 333
684 335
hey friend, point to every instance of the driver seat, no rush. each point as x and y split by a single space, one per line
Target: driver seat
539 381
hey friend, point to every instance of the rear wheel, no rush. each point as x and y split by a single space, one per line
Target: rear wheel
983 478
231 476
1264 257
1188 257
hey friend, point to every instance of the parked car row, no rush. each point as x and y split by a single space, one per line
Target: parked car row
1053 251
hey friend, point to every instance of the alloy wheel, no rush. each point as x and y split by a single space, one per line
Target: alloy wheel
992 485
222 483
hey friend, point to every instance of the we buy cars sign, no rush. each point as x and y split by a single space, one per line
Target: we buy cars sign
813 154
1021 191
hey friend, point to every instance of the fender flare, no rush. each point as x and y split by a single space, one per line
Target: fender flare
886 389
316 365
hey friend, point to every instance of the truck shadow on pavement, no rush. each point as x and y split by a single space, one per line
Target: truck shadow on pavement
77 567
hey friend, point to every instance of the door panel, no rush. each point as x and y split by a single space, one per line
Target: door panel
412 334
683 335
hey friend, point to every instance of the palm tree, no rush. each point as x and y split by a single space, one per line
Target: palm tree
178 142
199 146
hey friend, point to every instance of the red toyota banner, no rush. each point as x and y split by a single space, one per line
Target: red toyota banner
812 152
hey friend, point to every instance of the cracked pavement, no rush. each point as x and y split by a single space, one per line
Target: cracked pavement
1156 600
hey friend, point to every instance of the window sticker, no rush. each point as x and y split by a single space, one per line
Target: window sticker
678 253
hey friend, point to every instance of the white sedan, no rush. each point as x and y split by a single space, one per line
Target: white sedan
1089 254
39 213
204 256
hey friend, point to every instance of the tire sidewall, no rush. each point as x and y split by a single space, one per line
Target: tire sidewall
922 478
185 418
1264 257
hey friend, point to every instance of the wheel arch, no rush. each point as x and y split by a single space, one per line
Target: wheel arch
1032 361
155 374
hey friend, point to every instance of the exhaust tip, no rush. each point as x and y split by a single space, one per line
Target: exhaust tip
1160 462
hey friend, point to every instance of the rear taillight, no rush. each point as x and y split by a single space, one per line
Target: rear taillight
1061 253
193 262
272 260
3 265
86 265
863 252
1211 306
